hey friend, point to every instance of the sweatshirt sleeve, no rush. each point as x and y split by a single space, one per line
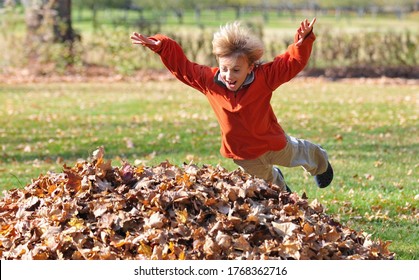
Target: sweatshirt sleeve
286 66
175 60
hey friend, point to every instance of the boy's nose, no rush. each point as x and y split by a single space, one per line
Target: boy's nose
228 75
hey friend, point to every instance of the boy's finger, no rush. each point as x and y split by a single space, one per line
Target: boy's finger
300 32
135 34
312 22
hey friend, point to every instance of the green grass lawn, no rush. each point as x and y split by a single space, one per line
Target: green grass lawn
369 129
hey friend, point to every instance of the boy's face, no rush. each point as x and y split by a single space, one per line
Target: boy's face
234 70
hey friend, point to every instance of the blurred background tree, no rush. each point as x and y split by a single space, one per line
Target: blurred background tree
49 20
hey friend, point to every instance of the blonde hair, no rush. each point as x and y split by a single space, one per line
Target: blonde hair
235 40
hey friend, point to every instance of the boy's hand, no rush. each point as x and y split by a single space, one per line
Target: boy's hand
140 39
304 30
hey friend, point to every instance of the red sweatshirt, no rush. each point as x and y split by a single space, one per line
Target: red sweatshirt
249 127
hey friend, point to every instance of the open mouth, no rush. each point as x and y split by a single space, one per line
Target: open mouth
231 84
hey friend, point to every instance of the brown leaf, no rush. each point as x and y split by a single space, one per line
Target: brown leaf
290 249
241 244
332 235
156 220
73 184
284 229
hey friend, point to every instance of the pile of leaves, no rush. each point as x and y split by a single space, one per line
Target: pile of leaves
96 211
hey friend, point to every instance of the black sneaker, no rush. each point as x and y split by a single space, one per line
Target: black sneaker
282 175
324 179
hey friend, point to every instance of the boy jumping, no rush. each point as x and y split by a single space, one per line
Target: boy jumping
239 91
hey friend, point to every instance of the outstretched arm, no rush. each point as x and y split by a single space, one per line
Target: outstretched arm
304 30
287 65
173 57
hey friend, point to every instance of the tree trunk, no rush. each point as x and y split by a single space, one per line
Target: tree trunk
48 22
50 19
62 25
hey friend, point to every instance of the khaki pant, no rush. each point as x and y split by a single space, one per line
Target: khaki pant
297 152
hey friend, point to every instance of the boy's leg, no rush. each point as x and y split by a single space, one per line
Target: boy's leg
279 178
299 152
311 157
262 169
